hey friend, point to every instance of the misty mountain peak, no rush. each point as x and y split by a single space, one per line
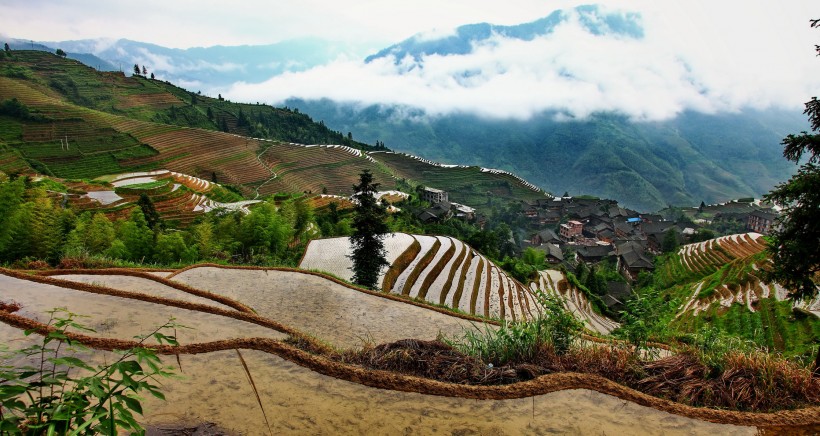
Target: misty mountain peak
462 41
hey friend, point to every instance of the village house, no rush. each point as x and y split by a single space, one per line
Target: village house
553 254
545 236
571 230
438 212
593 253
433 196
760 221
617 293
632 259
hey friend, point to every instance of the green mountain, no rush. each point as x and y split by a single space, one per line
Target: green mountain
62 118
645 165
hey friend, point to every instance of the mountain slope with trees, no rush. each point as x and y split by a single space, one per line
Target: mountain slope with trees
646 165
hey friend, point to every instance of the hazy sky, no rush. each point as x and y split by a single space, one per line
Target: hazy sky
704 55
189 23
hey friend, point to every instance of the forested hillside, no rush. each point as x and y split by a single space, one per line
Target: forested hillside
645 165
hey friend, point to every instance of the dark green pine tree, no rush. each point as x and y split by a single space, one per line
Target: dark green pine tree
150 212
369 229
795 242
670 241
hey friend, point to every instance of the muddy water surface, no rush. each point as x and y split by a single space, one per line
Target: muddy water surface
299 401
141 285
215 388
334 313
124 318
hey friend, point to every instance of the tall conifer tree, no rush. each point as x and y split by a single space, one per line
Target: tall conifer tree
369 229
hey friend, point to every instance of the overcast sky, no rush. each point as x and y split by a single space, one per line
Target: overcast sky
703 55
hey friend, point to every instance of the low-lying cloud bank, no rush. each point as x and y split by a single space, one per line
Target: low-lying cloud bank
570 71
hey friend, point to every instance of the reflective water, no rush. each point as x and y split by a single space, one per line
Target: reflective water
296 400
300 401
124 318
141 285
337 314
104 197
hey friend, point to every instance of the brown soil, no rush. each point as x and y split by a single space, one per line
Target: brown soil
802 418
787 420
203 429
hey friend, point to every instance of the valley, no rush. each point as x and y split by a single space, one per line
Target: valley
135 202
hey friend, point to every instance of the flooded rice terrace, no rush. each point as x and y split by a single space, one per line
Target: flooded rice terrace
334 313
215 388
300 401
124 318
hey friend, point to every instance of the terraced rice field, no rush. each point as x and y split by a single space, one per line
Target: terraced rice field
731 266
555 283
335 313
316 169
11 162
466 185
118 317
297 399
189 151
172 203
442 270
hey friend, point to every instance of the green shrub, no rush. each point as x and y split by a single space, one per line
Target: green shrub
62 394
518 342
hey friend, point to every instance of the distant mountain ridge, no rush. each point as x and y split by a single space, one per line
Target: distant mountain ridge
205 67
81 55
645 166
591 17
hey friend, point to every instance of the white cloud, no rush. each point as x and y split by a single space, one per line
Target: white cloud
574 72
697 54
159 62
435 33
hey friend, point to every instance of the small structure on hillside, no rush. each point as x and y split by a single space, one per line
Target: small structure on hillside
571 229
434 196
761 221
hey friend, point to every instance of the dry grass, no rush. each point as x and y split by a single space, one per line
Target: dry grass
430 359
84 263
10 306
755 381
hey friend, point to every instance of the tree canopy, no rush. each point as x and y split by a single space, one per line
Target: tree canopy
369 229
795 245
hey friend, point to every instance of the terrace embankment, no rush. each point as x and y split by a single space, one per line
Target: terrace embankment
307 393
342 316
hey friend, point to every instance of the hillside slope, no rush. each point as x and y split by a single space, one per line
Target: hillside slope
445 271
645 165
82 123
719 283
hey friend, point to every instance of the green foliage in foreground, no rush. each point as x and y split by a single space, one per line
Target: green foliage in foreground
773 326
62 394
37 228
521 341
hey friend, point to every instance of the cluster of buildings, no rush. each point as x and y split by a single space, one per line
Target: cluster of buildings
593 230
570 230
441 207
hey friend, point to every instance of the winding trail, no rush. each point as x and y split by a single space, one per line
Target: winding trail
274 175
